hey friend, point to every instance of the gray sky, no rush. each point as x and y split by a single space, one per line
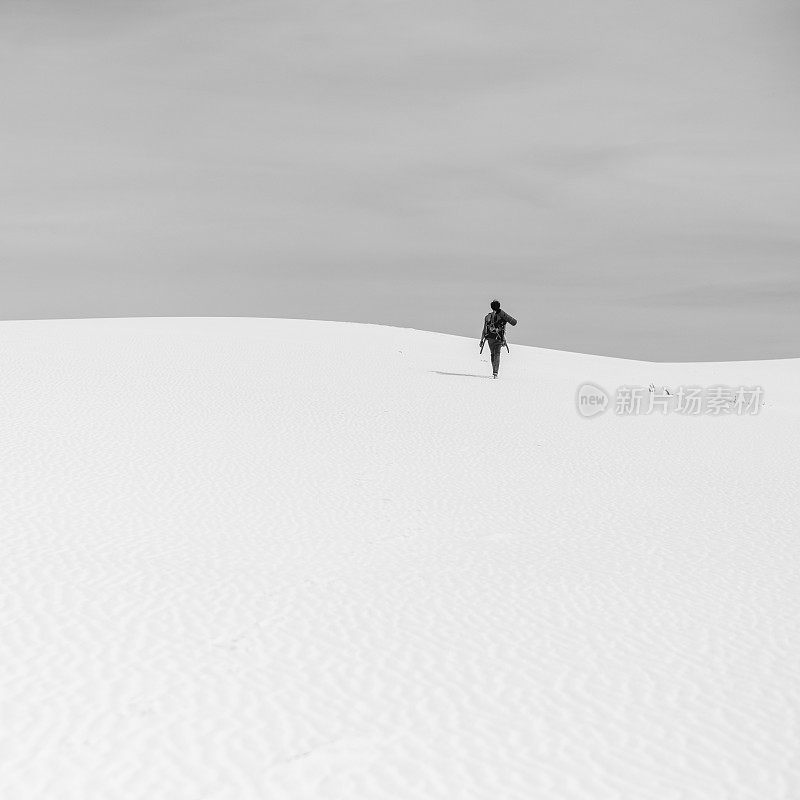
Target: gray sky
623 176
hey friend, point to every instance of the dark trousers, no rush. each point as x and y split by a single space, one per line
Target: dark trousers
495 346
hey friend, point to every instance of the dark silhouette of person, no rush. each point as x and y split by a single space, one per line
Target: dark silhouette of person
494 332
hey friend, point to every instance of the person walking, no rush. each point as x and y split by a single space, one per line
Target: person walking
494 332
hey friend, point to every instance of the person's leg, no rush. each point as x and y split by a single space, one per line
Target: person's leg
495 346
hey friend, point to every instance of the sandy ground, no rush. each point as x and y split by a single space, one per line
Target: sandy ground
253 558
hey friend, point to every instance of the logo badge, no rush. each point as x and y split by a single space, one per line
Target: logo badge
591 400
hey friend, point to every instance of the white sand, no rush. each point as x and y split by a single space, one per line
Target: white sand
240 564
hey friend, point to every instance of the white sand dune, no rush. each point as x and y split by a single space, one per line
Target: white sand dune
254 558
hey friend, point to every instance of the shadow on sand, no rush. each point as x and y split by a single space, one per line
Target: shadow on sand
460 374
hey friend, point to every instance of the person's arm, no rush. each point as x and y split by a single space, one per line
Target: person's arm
485 331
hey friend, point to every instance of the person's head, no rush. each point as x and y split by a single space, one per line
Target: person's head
495 304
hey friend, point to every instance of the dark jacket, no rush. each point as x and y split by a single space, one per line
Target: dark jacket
502 319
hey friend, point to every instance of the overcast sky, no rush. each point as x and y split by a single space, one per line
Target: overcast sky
623 176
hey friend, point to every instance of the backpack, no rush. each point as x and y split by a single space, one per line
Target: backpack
495 327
